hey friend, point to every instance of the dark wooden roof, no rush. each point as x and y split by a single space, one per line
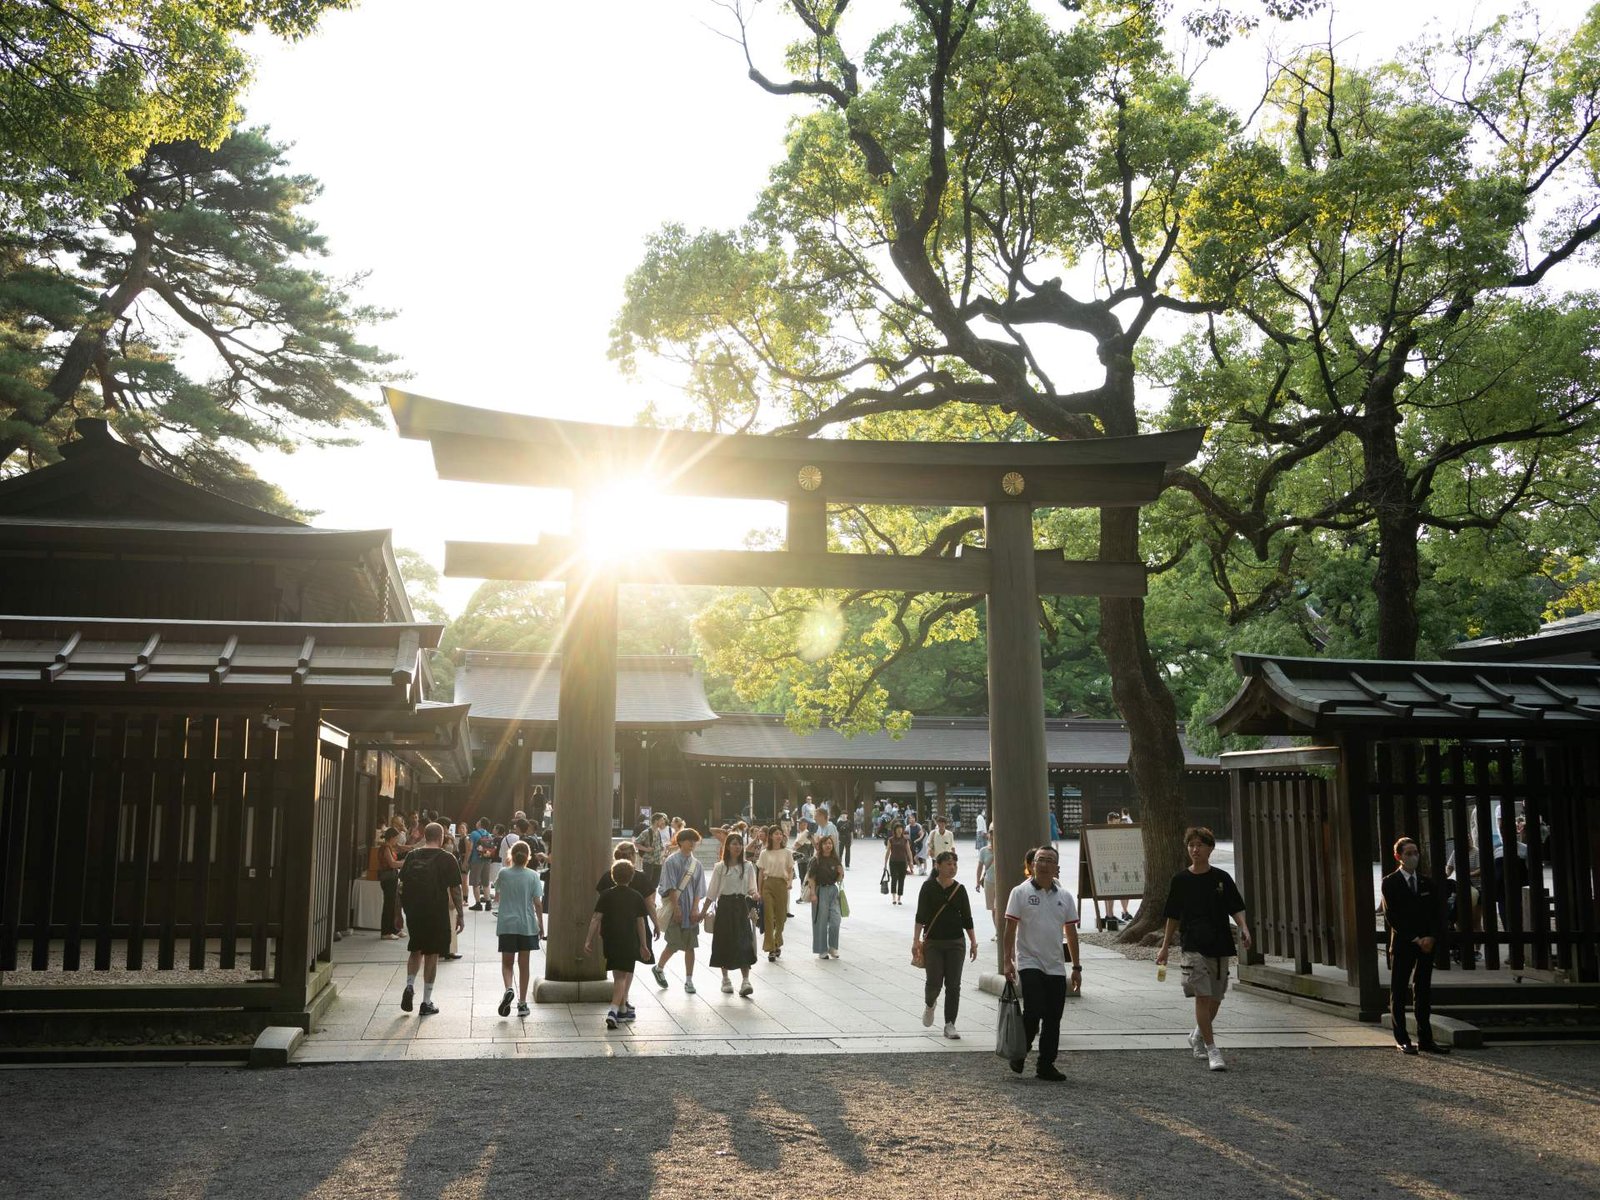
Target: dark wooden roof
490 446
1399 699
932 744
1569 640
187 538
52 659
101 475
653 692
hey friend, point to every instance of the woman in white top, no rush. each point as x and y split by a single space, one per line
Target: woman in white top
776 866
731 891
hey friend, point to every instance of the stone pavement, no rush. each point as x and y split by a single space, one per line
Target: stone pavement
867 1002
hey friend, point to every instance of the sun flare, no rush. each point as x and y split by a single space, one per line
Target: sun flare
626 519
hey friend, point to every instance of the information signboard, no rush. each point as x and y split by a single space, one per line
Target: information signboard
1113 862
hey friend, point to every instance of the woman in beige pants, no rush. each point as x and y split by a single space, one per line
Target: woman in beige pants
776 867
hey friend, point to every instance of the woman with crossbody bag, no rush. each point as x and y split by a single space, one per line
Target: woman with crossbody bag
944 914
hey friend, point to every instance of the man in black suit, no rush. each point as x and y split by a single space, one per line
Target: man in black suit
1409 904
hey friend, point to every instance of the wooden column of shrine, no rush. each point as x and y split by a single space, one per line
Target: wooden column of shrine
585 765
1017 762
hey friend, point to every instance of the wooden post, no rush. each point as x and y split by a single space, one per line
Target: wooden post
1353 834
586 740
940 789
299 844
1017 759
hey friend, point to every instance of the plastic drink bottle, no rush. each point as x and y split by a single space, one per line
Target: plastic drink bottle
1161 972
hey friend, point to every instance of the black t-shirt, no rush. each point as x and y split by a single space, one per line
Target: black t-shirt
1202 904
824 871
426 877
956 917
619 908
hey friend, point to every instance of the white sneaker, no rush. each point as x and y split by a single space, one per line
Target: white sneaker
688 986
927 1017
745 989
727 985
1214 1053
950 1031
1196 1046
833 954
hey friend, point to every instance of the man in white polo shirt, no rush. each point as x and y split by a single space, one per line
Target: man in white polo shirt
1038 915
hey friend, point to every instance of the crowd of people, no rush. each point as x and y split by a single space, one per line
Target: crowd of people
658 892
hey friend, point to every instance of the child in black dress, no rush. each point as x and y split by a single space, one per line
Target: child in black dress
619 920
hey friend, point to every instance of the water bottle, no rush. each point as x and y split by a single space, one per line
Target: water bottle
1161 972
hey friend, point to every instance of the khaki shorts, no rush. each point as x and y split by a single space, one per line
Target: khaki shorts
1204 976
680 938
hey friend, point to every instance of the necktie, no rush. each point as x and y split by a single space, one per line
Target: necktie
1413 880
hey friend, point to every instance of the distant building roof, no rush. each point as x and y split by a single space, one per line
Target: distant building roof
946 744
1569 640
1462 699
653 692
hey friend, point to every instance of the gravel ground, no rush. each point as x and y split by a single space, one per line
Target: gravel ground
1310 1124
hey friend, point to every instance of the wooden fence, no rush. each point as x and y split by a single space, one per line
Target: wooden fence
139 841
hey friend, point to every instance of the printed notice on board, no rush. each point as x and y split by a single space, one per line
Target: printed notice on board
1116 860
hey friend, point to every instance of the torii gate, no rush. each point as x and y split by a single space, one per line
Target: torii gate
1008 480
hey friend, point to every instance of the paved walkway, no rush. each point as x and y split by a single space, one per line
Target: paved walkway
869 1001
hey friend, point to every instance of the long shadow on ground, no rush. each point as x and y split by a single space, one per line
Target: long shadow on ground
1310 1124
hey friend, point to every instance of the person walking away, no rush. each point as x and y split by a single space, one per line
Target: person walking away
1039 914
897 857
1200 900
627 852
479 856
847 837
986 887
823 878
944 915
776 865
730 894
619 922
682 904
919 844
497 834
519 924
389 881
430 890
804 845
1413 918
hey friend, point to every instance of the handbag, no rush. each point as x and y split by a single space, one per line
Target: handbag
916 947
1010 1037
844 904
883 883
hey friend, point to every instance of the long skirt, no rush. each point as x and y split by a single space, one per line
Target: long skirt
733 940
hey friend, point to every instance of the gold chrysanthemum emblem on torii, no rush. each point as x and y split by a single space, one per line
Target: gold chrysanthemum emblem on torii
1012 483
810 477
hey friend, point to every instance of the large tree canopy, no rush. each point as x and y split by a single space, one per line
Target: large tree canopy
88 86
1393 357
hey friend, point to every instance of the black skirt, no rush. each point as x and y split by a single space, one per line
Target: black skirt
733 939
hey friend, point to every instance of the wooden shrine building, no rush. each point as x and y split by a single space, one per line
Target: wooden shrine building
205 711
677 755
1450 754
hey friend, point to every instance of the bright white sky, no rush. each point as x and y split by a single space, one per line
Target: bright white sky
497 166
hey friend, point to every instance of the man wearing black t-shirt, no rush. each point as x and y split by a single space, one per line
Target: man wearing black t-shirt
1199 902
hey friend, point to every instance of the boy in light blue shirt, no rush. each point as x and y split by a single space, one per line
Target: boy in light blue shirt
519 923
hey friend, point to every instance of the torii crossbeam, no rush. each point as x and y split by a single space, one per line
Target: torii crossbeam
1006 479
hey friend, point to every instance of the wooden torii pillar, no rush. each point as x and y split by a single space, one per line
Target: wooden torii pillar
1006 480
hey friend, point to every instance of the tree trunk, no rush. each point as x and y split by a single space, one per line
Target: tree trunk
1155 752
89 341
1399 574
